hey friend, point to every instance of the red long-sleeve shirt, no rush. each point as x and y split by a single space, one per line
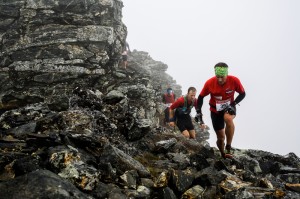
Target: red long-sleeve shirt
221 94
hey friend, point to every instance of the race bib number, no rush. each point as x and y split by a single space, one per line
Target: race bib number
222 104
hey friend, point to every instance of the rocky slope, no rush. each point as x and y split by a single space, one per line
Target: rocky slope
74 124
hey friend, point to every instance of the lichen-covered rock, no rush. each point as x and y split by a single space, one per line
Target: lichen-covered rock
73 124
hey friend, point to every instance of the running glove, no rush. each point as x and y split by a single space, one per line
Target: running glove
230 109
198 118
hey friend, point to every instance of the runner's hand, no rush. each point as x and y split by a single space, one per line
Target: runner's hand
172 124
199 119
230 109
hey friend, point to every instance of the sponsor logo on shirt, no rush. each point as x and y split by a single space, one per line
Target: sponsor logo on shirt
218 97
228 91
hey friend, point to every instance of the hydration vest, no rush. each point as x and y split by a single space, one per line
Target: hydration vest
186 109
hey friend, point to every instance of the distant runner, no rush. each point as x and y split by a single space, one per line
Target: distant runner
124 59
168 99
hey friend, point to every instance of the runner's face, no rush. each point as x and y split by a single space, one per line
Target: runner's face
191 95
170 92
221 80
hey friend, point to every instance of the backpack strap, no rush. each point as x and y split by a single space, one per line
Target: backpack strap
186 103
193 101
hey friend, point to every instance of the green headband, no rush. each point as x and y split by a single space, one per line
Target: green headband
221 71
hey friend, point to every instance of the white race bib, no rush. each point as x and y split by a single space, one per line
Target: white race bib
222 104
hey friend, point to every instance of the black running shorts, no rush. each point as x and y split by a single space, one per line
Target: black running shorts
218 120
184 122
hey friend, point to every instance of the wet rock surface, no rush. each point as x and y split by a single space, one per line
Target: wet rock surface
74 124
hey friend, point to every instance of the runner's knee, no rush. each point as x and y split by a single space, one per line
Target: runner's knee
228 118
186 134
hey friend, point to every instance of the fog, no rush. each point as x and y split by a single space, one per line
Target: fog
260 42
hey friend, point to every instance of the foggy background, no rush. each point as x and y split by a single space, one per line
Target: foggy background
260 42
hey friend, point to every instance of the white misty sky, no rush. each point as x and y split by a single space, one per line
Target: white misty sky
259 40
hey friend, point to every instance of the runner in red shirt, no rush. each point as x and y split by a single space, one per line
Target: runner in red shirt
222 88
183 106
168 99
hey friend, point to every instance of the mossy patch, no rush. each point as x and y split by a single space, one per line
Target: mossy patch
148 160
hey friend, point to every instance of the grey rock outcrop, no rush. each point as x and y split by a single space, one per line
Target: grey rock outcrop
41 184
73 124
49 47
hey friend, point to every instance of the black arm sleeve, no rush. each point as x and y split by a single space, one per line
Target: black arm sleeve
239 98
199 104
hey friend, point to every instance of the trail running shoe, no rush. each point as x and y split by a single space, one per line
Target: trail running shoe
228 154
